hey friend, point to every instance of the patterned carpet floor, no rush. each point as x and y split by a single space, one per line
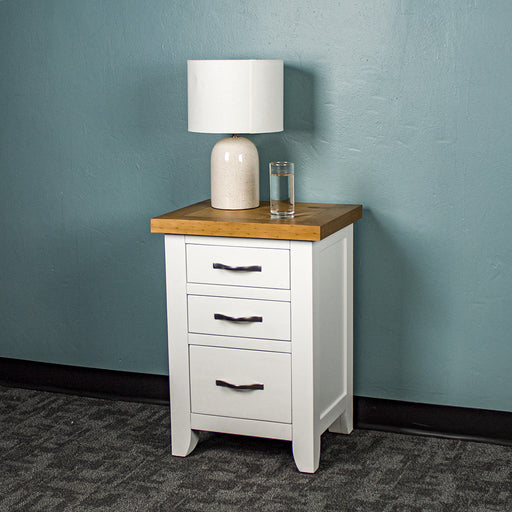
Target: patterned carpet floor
68 453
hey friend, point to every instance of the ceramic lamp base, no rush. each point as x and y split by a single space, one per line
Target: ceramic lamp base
235 174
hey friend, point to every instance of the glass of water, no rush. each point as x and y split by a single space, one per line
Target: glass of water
282 193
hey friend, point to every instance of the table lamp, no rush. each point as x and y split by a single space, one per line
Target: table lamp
235 97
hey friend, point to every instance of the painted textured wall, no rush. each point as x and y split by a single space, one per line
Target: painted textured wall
402 106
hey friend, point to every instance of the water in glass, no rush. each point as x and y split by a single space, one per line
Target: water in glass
282 200
282 195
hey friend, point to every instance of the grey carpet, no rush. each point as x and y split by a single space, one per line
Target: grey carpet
68 453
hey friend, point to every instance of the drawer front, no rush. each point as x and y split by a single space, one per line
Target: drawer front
245 318
213 370
238 266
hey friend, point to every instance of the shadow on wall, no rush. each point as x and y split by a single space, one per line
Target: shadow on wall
299 101
381 276
149 119
299 123
393 311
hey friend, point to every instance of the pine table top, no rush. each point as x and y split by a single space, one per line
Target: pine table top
312 221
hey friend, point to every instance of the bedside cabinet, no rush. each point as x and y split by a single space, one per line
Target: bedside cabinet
259 314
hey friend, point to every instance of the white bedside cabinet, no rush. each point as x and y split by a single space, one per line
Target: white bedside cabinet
260 324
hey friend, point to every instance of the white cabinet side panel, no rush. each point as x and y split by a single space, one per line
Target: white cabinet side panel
330 263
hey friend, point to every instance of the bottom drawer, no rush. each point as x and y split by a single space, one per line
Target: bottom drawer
261 380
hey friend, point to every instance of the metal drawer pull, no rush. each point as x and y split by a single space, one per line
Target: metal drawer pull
252 268
224 384
219 316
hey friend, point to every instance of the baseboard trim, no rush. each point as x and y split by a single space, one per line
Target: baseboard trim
369 413
433 420
91 382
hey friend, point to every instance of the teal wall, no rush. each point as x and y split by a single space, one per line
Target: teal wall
401 105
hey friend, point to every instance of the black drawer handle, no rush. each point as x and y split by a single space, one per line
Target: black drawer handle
219 316
224 384
252 268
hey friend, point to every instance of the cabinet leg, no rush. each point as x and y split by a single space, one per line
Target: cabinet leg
344 424
183 442
307 455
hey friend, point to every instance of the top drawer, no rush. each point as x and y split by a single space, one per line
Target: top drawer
238 266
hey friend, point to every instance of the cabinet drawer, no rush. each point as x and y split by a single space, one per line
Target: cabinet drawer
212 370
223 316
238 266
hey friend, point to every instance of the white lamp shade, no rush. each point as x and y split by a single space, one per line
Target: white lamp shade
235 96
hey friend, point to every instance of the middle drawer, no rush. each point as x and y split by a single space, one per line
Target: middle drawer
245 318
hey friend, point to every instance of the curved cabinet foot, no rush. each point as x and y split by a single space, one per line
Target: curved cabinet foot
183 443
307 456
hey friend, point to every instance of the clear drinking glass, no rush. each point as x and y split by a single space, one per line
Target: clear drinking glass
282 193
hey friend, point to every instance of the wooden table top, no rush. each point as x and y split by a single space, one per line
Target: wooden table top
312 221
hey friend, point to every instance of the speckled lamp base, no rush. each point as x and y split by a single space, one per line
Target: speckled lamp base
235 180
